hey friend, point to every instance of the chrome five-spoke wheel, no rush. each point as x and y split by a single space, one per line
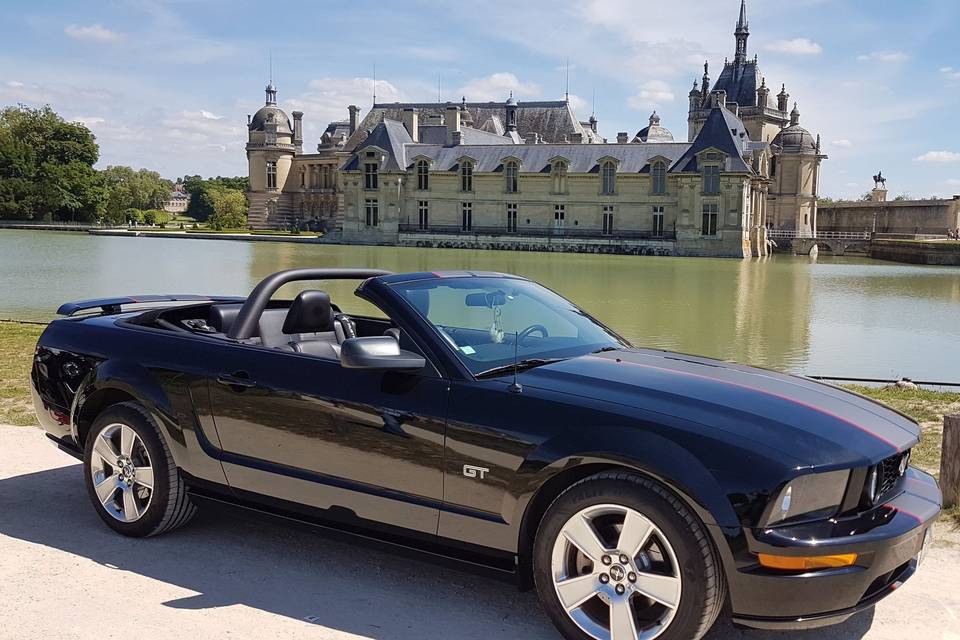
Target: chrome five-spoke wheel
616 574
121 472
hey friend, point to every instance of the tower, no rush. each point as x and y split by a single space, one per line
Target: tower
795 178
271 145
742 32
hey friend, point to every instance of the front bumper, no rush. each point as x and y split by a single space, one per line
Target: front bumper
888 543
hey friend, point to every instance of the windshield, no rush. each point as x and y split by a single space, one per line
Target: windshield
485 320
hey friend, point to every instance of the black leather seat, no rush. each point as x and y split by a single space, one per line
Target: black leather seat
309 325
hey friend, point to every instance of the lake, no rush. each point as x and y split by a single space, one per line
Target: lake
832 316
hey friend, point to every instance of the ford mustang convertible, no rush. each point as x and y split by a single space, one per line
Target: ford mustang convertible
482 417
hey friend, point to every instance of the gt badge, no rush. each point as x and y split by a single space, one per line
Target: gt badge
471 471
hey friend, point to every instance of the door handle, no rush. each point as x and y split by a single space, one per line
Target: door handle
236 379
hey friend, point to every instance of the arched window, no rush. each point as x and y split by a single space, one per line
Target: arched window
608 177
511 172
559 172
466 176
423 175
659 174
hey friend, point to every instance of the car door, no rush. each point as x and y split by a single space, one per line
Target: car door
356 443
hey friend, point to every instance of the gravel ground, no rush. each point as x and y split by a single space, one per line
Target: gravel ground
64 574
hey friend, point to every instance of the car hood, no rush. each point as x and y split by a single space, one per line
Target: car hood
814 423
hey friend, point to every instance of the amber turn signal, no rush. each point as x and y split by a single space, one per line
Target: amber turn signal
806 563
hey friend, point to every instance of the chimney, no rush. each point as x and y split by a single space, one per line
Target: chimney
721 98
622 137
411 122
454 135
577 138
298 130
354 111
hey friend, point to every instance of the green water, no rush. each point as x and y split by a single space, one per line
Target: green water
833 316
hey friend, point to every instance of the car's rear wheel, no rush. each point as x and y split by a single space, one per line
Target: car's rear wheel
130 475
619 557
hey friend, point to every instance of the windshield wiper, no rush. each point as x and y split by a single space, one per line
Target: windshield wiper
522 365
605 349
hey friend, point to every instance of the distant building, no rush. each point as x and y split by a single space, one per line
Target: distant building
179 199
531 175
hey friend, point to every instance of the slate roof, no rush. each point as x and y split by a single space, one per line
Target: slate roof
552 119
437 134
263 114
723 131
741 83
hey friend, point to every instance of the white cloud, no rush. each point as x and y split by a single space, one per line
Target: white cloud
89 121
496 87
209 116
652 93
93 32
952 182
327 98
580 106
883 56
950 73
843 143
797 46
939 157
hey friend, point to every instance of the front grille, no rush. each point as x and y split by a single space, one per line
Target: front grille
888 475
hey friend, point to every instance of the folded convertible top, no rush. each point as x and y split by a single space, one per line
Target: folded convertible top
113 305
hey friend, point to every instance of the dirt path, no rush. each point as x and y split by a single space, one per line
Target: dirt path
63 574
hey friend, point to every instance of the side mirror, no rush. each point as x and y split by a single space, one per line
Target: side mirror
378 353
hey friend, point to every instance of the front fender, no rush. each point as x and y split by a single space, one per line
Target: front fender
647 453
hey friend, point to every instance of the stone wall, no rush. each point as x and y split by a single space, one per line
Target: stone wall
905 216
659 247
939 252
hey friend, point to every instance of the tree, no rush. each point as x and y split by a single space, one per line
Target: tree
129 189
46 167
201 202
229 207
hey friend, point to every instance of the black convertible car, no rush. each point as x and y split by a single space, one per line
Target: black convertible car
485 418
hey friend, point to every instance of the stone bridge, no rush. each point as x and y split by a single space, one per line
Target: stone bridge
837 243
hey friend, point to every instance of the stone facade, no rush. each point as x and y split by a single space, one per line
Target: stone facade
909 217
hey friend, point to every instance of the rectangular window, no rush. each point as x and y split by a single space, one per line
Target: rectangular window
271 174
709 226
559 215
466 211
303 178
659 172
466 177
370 175
658 221
373 212
423 175
511 217
608 220
711 179
423 207
511 175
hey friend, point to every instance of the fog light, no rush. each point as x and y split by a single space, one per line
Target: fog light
806 563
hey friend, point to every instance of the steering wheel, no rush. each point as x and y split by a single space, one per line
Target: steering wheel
534 328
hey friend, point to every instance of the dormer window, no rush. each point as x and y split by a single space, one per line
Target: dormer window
511 173
608 178
423 175
711 179
466 176
371 174
558 170
658 173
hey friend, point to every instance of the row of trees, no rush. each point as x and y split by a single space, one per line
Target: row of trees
47 173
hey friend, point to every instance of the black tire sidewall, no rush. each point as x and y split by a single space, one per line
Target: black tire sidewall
151 519
653 505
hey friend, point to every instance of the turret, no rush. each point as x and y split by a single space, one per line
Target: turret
795 116
783 98
511 108
742 32
694 97
763 94
271 94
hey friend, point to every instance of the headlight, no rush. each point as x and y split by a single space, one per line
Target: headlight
817 496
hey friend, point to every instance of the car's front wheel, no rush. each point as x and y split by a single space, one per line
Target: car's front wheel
619 557
130 475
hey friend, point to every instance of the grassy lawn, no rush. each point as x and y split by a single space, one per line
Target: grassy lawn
16 356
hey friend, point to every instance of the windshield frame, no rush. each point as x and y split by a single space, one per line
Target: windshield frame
475 368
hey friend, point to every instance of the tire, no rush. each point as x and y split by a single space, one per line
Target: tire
141 493
667 553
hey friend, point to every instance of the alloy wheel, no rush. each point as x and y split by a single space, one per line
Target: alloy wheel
616 574
121 472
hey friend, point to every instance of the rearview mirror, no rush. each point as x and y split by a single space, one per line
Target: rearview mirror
489 299
378 353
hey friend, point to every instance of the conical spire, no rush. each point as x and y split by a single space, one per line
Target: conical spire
742 32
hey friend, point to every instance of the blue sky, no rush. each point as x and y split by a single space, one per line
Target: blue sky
167 85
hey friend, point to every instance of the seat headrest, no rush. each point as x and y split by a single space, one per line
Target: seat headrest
309 313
